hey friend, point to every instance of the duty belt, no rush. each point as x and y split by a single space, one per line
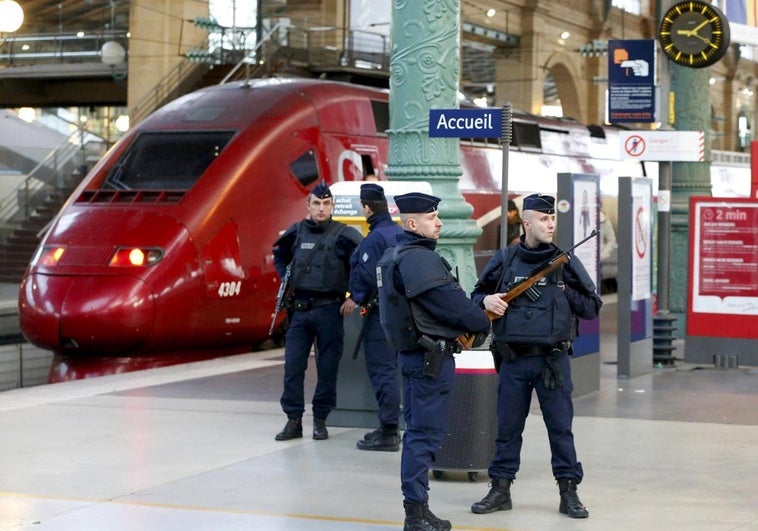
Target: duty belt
523 350
450 346
309 304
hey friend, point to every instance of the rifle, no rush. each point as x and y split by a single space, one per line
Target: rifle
280 296
365 314
526 284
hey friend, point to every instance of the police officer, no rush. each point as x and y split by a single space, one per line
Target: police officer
531 345
423 310
381 360
317 250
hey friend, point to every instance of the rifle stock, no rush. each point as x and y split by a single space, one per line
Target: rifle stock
280 296
365 314
520 287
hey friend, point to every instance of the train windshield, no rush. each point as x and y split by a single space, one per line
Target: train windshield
166 161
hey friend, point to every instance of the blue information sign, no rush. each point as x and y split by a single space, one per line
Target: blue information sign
465 123
631 81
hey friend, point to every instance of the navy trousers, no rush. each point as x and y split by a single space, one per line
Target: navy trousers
381 365
323 325
516 380
426 403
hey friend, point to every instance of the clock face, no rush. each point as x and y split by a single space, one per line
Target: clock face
694 34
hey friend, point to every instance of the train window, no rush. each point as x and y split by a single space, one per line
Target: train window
166 161
305 168
381 110
526 135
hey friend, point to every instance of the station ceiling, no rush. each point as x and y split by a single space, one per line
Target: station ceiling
59 16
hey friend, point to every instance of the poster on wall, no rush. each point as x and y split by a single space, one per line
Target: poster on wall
642 245
586 206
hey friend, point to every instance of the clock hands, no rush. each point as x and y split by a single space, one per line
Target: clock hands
694 32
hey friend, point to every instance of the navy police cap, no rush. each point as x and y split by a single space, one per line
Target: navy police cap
416 203
321 191
372 192
540 203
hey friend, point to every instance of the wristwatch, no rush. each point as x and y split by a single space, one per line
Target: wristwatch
694 34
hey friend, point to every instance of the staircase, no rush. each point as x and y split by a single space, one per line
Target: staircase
27 210
17 248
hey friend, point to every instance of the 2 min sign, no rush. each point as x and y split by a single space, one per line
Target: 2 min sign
465 123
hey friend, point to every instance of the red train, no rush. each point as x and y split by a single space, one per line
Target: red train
163 253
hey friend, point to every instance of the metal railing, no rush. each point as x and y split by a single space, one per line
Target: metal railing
24 50
167 88
316 48
49 175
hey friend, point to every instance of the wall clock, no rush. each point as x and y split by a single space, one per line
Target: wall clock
694 34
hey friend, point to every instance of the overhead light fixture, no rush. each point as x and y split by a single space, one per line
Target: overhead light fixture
491 12
112 53
27 114
122 123
11 16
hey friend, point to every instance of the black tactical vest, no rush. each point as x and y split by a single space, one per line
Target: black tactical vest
404 321
395 313
547 320
326 272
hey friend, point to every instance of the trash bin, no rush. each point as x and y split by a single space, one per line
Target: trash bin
472 428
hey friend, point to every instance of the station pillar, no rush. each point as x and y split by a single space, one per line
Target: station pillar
692 112
424 73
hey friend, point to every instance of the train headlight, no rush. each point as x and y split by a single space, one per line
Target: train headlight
135 257
48 255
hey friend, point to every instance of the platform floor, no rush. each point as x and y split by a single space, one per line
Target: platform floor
191 447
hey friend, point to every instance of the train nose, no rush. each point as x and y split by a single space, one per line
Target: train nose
97 314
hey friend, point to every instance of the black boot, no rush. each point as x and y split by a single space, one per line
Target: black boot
571 505
371 434
417 519
319 430
497 499
385 439
444 525
387 429
292 430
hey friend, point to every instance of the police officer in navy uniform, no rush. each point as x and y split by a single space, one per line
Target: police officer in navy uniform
423 310
317 250
381 359
531 345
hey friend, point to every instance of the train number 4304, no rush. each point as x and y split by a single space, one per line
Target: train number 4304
229 289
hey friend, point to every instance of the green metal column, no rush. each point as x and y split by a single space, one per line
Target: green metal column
692 110
424 72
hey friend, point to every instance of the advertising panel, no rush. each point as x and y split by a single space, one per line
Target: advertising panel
723 289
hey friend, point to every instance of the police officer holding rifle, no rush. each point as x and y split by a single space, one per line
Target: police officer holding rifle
314 256
531 345
423 310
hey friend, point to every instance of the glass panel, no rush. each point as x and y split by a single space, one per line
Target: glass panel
166 161
305 168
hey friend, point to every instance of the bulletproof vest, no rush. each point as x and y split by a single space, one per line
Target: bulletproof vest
395 313
545 318
402 319
325 272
